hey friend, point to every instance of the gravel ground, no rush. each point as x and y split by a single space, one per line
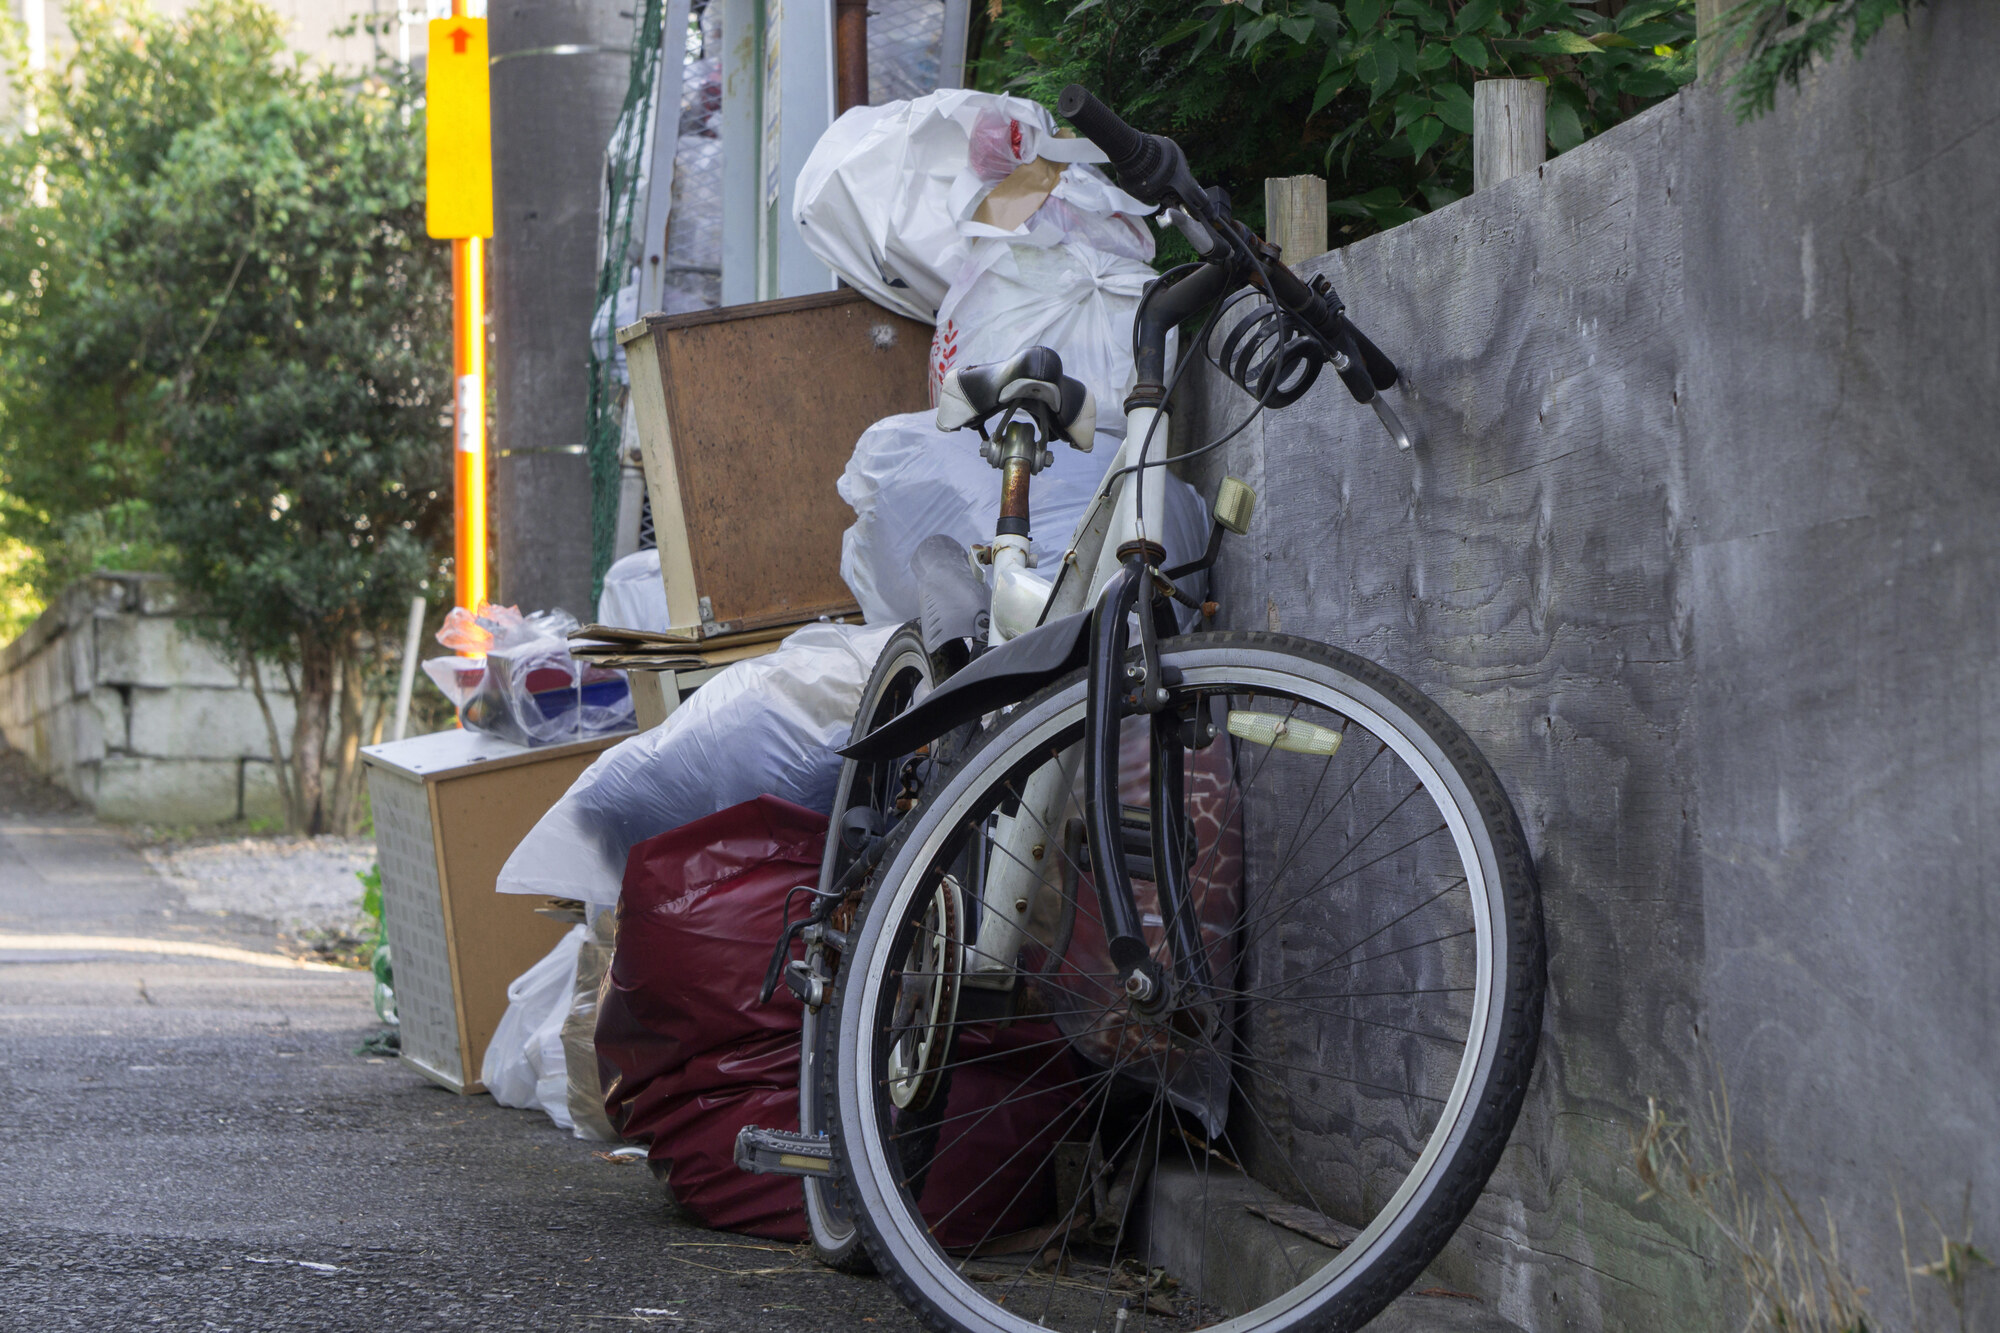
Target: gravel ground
306 886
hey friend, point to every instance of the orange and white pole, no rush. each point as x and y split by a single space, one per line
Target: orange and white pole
459 206
468 364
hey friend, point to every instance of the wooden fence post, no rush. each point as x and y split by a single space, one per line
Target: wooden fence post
1708 49
1509 129
1295 215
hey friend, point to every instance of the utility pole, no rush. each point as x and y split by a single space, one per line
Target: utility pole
560 70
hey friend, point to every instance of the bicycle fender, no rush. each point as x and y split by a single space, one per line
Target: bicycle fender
1006 675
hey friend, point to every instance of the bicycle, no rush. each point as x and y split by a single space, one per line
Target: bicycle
1218 953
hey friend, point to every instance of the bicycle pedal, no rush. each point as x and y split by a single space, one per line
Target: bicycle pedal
775 1152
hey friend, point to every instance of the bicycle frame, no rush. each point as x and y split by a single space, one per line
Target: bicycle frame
1111 522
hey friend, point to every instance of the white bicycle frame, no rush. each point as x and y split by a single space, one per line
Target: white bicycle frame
1023 864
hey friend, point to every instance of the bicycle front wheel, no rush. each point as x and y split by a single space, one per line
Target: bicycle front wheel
1293 1135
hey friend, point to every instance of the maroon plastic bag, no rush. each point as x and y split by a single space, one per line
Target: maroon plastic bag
688 1057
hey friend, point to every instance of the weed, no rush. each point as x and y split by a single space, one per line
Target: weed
1792 1271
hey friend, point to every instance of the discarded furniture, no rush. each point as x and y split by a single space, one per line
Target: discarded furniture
746 417
449 809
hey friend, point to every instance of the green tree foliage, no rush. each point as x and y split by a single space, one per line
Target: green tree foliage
1374 94
238 322
1778 40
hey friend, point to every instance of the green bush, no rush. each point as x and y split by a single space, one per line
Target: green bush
1376 95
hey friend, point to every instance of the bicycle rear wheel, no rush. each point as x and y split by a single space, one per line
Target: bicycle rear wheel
865 804
1285 1149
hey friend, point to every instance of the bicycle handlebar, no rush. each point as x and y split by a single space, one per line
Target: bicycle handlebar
1153 168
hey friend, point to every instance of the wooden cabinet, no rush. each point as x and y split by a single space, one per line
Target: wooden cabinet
746 418
449 809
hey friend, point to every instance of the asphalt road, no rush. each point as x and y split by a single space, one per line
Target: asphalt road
190 1142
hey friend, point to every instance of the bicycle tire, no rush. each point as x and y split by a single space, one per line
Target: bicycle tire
1448 1162
901 672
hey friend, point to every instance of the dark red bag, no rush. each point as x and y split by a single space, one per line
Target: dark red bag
688 1056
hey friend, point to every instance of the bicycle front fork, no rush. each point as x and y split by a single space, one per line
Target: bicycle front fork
1024 860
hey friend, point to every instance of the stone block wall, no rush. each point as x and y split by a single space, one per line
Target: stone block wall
1697 541
111 697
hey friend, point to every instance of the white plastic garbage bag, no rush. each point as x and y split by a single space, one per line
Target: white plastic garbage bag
633 596
766 726
524 1063
1077 299
907 480
889 197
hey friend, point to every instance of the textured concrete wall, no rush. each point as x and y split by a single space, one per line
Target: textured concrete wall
109 696
1697 541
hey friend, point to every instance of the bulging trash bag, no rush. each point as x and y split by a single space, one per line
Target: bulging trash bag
768 725
688 1056
891 196
633 596
524 1064
1076 299
907 480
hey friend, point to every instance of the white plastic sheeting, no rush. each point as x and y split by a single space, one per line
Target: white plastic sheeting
767 726
907 480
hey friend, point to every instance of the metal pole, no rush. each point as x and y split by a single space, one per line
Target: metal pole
468 356
406 677
850 43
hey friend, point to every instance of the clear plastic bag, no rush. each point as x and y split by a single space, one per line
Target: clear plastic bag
526 688
579 1029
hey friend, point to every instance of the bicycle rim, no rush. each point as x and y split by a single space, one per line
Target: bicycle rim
1284 1151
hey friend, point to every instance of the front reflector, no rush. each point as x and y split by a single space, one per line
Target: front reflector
1285 733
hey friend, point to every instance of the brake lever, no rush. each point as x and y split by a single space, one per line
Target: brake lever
1391 421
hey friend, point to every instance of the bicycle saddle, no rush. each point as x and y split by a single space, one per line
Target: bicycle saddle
1034 381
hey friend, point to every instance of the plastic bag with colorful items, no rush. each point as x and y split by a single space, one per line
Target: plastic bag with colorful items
514 678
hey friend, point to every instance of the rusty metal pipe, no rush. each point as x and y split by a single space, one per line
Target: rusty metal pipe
850 46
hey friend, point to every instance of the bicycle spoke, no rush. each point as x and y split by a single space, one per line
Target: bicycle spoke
1345 956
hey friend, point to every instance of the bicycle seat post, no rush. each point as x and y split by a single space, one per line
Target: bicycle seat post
1019 450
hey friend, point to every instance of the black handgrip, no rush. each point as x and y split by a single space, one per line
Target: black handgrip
1380 368
1292 293
1101 125
1151 167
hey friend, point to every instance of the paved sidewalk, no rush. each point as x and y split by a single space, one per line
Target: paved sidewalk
189 1142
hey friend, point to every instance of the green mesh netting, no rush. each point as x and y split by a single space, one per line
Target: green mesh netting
606 420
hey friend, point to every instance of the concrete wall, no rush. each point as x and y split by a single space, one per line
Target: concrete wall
113 700
1698 542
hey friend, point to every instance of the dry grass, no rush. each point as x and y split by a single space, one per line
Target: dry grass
1793 1274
